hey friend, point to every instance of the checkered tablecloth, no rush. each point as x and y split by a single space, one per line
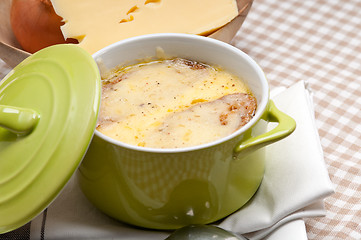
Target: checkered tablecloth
318 41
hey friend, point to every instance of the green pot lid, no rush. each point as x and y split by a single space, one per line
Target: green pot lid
48 111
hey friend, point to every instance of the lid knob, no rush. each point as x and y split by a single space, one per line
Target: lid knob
18 120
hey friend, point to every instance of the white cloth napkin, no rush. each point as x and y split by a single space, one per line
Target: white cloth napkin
296 180
295 183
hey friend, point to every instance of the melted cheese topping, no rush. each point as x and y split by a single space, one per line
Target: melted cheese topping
140 101
96 24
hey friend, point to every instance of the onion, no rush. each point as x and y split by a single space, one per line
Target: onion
36 25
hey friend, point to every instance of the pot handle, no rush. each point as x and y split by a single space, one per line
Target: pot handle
286 125
18 120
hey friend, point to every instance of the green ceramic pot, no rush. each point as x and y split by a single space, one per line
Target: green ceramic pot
171 188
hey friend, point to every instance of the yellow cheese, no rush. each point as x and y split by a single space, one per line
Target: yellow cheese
141 103
98 23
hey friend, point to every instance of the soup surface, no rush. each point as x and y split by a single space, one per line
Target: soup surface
173 103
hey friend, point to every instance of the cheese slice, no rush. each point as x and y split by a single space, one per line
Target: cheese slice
98 23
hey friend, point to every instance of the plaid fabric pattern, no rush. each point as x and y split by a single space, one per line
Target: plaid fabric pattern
320 42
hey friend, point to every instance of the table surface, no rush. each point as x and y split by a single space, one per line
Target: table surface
318 41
